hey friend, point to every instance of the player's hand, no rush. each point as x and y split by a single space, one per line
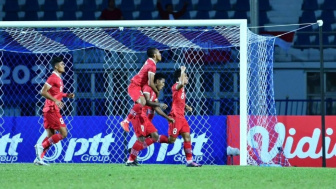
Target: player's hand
163 106
188 108
71 95
183 68
171 120
59 104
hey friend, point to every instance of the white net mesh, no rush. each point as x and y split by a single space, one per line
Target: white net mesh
265 136
99 65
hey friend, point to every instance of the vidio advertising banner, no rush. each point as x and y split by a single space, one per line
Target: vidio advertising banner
301 136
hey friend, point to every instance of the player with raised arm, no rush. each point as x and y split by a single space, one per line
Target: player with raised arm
181 126
147 133
144 77
52 119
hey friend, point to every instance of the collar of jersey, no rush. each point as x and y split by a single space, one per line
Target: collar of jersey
56 74
152 60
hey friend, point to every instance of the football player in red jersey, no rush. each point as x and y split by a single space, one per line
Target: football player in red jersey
181 126
52 119
145 131
144 77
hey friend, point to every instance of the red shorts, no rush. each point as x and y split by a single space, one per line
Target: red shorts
180 126
53 120
143 126
134 91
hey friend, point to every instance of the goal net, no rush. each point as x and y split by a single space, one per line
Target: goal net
229 68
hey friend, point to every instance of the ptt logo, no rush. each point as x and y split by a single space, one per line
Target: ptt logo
94 149
8 147
177 152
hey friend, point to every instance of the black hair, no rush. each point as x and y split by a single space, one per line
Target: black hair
151 51
159 76
55 60
177 74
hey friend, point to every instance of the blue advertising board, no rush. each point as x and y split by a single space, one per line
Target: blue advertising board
90 140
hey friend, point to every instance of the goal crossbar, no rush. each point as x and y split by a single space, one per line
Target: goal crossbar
129 23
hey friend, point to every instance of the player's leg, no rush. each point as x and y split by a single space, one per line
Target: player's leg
55 122
185 132
188 150
50 132
173 130
142 128
137 108
139 101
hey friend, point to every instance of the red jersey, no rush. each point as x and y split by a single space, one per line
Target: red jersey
179 98
56 90
148 110
141 78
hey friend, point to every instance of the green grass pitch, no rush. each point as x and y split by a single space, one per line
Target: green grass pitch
162 176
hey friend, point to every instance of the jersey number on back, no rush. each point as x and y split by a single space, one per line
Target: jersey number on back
182 96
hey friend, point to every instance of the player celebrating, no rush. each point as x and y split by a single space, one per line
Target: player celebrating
144 77
181 126
146 127
53 121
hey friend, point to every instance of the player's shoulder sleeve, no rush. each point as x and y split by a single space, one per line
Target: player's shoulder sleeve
174 87
51 80
151 66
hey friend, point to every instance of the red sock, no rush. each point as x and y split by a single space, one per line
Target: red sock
136 110
46 149
52 140
163 139
138 146
187 150
148 142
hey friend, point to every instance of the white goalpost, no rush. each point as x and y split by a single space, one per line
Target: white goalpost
231 87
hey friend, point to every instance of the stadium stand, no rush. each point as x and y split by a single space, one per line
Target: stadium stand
221 15
70 5
127 5
222 6
145 15
11 6
310 5
11 16
329 5
31 16
32 5
146 6
204 6
270 12
50 15
89 5
242 5
50 5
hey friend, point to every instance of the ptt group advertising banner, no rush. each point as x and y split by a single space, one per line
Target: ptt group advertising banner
90 140
302 139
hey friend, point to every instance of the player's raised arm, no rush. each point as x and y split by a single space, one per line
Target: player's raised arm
47 95
181 78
